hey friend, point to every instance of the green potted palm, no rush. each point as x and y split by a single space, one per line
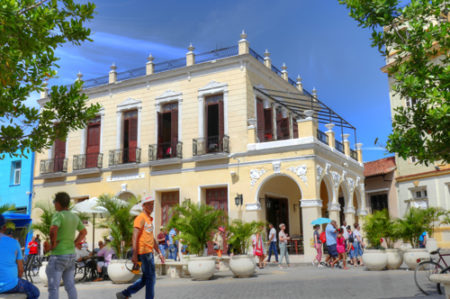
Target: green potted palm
43 226
242 264
414 223
120 222
195 224
374 256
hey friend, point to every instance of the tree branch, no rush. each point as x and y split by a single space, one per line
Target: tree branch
32 6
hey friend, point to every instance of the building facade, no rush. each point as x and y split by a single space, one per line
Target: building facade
380 186
225 128
16 188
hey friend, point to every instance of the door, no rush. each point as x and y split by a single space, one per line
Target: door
93 143
60 155
260 119
217 198
214 131
130 136
277 212
168 200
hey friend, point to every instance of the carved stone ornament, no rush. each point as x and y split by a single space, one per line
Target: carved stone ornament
334 207
358 179
350 184
255 174
319 172
336 178
276 166
300 171
344 173
327 168
361 187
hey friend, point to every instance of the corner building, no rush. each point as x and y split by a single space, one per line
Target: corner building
225 128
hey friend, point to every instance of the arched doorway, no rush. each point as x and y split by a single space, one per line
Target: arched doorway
281 204
325 197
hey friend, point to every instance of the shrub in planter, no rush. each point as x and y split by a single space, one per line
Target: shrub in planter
242 264
195 224
375 226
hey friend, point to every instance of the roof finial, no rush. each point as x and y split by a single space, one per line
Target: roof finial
79 76
113 66
243 35
150 57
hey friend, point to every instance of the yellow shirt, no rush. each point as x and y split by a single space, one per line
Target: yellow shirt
146 240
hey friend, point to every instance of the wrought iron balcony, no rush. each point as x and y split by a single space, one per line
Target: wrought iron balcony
354 154
212 144
85 161
53 165
339 146
165 150
322 137
124 156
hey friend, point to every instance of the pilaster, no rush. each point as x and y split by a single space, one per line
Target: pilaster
251 130
190 56
113 74
267 60
307 127
359 152
311 210
346 145
330 133
150 66
299 84
284 72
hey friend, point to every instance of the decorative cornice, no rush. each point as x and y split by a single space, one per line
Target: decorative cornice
169 95
129 104
213 85
336 179
308 203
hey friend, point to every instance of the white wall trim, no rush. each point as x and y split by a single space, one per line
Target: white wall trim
212 88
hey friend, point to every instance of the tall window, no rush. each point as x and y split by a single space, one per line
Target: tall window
282 125
214 131
16 169
168 131
129 137
93 142
379 202
59 155
264 122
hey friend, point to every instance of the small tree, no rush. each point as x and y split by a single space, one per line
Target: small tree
120 221
196 224
240 234
45 220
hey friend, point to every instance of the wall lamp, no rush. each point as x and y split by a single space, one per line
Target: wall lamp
238 200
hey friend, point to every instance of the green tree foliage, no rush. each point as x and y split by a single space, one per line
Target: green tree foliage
30 32
240 234
45 220
120 221
418 34
196 224
416 221
379 225
6 207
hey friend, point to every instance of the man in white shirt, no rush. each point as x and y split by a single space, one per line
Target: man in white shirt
81 254
272 242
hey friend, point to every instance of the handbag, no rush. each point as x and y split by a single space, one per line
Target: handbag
258 248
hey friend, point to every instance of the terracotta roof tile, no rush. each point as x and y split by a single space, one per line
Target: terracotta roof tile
378 167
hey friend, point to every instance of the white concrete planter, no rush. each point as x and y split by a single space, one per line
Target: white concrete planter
394 258
411 256
118 272
13 296
42 274
201 268
443 279
242 265
375 259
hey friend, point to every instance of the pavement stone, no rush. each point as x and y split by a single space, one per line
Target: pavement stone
273 282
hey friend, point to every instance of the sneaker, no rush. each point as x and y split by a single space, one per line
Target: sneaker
120 295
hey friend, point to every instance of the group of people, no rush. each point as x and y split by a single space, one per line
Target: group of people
167 243
341 243
98 259
259 245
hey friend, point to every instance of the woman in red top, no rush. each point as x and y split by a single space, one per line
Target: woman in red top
340 247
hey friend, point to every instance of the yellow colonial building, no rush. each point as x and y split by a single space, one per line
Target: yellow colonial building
226 128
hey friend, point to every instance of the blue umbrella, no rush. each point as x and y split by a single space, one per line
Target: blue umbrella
321 221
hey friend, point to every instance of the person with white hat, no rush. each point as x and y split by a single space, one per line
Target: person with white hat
144 247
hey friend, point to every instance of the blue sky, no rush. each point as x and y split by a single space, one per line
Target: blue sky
316 39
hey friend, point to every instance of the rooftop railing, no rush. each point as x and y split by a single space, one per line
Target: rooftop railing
339 146
322 137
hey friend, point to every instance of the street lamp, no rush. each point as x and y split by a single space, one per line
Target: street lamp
238 200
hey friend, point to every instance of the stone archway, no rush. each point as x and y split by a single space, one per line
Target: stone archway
280 203
326 195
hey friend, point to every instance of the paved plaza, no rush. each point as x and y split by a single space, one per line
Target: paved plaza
273 282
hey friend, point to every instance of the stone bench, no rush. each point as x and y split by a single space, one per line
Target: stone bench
13 296
442 279
176 269
224 263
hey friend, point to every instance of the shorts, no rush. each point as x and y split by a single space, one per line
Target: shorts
332 251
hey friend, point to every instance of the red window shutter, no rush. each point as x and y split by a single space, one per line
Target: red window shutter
221 122
60 155
268 124
279 124
295 127
174 128
132 139
93 144
285 128
260 119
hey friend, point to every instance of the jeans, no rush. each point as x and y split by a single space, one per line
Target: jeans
25 287
173 252
148 278
273 248
284 253
162 248
61 266
358 250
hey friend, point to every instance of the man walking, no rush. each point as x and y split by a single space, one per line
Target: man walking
173 248
144 246
11 266
62 245
272 242
331 241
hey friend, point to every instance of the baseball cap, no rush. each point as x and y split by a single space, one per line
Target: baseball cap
2 220
147 199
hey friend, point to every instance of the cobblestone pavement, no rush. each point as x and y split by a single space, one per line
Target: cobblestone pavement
273 282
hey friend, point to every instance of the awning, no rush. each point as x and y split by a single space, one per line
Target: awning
19 220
